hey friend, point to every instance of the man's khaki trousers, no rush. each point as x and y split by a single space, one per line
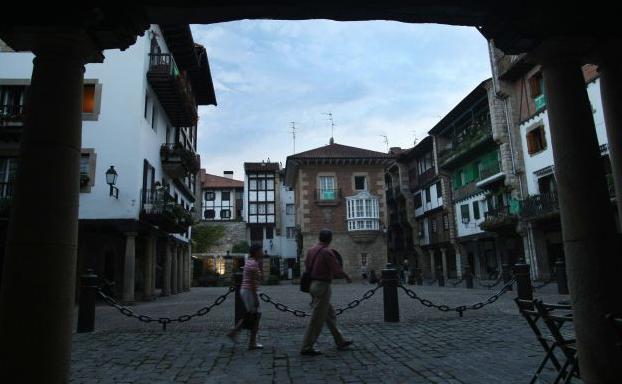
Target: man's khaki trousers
322 312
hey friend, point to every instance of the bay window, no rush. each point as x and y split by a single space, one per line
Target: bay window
363 213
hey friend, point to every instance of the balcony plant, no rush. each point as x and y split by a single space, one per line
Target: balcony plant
84 179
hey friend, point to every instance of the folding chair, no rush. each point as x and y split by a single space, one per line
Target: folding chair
568 346
534 319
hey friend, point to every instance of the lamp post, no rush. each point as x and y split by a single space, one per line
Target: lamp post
111 179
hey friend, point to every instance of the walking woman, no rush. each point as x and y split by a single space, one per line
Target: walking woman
248 293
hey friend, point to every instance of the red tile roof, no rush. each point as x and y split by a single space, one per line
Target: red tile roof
213 181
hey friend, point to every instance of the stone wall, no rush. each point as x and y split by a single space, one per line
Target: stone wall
234 232
351 249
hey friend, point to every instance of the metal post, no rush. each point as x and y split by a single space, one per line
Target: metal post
239 305
86 310
419 276
506 274
439 276
524 289
562 281
468 276
389 291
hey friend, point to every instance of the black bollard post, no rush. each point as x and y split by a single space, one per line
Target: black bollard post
239 305
506 274
562 281
524 290
389 294
86 309
419 276
439 276
468 276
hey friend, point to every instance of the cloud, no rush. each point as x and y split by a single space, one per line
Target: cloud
376 77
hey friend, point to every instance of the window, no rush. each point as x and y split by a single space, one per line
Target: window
536 88
439 190
428 194
363 212
225 214
464 212
269 184
88 98
209 214
363 259
446 222
146 104
269 233
210 196
226 196
270 208
290 232
418 202
87 170
360 183
252 208
289 209
536 140
154 119
433 225
8 170
476 215
327 188
261 208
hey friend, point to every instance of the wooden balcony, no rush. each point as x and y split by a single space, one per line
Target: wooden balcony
178 161
499 219
173 90
159 208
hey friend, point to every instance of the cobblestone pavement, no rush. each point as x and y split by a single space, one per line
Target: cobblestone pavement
491 345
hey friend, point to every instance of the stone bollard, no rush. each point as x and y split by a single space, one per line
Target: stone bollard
389 293
419 276
562 281
439 276
524 289
468 276
506 274
239 305
86 309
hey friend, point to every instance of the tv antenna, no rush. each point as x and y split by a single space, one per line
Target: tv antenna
386 141
332 126
294 134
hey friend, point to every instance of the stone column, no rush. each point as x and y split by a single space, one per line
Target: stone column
180 270
188 269
174 273
611 93
167 269
444 261
458 250
129 262
154 266
432 263
38 282
590 245
150 249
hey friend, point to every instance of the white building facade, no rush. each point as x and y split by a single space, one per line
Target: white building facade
140 120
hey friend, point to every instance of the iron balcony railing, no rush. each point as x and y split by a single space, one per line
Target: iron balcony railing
6 195
323 195
539 205
161 209
11 112
175 152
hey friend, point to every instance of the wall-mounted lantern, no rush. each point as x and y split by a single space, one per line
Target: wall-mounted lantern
111 179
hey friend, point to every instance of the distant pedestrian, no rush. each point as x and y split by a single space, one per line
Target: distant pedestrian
323 267
251 277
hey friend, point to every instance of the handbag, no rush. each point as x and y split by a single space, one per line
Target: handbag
305 279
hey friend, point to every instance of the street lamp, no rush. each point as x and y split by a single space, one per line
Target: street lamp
111 179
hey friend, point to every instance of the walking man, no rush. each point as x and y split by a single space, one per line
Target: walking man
323 267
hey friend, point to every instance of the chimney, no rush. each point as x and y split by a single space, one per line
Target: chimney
228 174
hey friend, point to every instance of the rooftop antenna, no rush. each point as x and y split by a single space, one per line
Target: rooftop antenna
294 134
386 141
332 127
415 135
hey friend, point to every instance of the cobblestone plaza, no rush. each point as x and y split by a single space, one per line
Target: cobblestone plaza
490 345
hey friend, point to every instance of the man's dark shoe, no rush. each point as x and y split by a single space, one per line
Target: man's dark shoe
344 346
310 352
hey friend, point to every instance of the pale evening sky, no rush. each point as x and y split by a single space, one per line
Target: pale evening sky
376 78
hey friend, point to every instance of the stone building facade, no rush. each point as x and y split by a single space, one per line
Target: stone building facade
342 188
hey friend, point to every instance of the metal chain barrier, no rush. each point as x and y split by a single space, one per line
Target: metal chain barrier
338 311
461 308
129 312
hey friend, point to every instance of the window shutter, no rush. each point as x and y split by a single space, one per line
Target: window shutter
534 86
